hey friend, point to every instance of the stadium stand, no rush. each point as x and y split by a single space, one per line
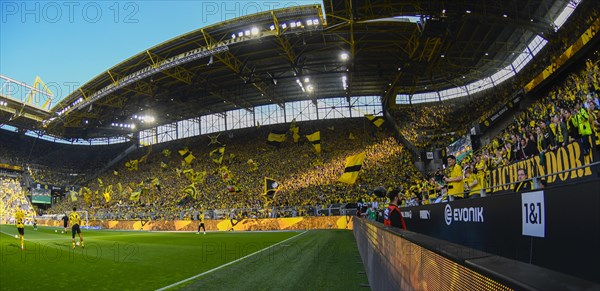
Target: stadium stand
226 175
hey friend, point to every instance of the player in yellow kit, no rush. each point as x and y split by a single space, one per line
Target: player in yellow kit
201 225
75 220
20 223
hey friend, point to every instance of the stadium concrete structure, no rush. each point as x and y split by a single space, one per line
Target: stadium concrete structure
343 49
367 56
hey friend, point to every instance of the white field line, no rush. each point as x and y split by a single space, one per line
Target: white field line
227 264
61 236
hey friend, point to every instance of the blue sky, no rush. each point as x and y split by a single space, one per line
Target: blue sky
67 43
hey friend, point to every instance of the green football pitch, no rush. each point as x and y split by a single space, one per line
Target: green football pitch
135 260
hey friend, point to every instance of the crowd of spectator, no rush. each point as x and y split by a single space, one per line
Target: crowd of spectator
12 196
52 163
306 179
568 113
436 125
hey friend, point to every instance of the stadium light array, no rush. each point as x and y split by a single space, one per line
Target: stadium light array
3 103
301 85
123 125
144 118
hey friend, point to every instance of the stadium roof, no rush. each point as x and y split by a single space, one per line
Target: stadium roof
358 48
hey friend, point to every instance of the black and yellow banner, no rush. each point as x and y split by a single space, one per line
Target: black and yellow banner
276 138
353 165
315 139
562 159
216 155
271 187
376 120
187 156
11 167
191 191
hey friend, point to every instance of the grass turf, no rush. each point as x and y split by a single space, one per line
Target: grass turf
152 260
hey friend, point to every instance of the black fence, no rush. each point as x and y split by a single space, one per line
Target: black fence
556 228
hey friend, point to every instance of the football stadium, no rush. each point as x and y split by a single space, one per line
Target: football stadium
324 145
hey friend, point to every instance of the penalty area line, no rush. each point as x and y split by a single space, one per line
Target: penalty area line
227 264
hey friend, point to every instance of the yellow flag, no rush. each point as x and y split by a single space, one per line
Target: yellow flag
135 196
295 133
199 177
107 192
315 139
353 165
73 196
191 191
187 156
132 165
216 155
189 174
276 138
377 120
